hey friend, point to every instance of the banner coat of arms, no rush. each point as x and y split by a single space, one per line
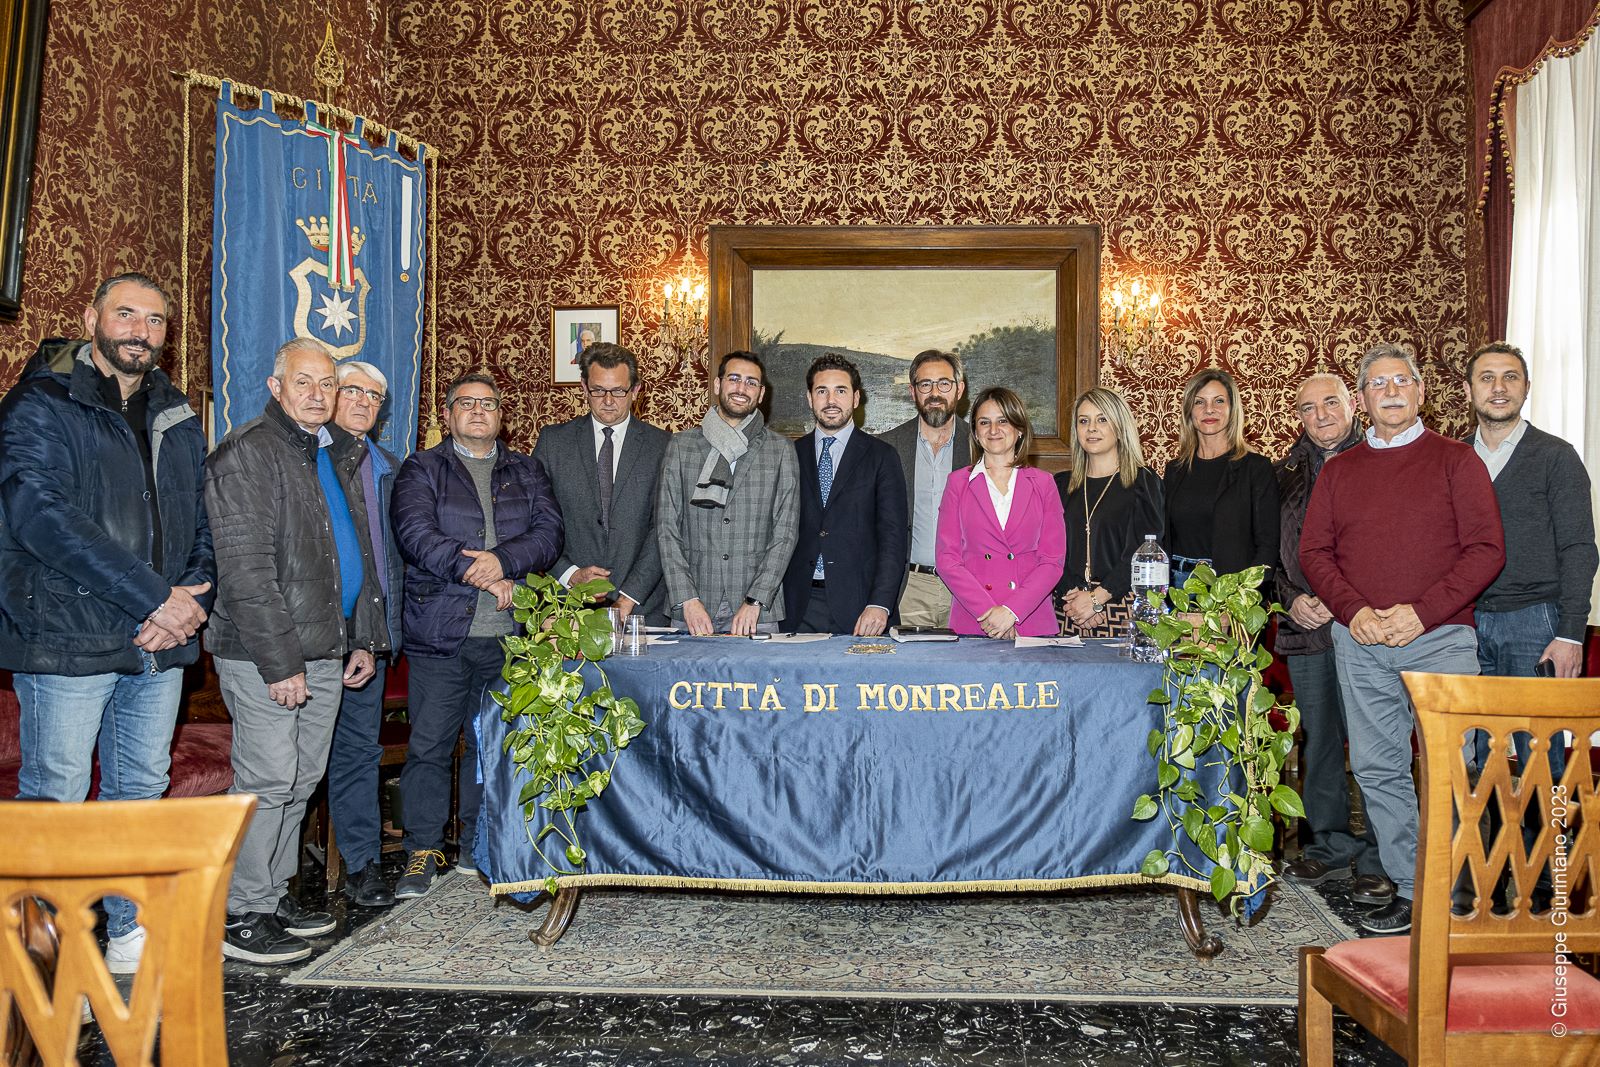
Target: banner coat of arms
316 234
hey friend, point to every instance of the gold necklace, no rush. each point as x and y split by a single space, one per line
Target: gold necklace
1088 514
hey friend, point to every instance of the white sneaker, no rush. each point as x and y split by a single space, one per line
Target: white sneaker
123 951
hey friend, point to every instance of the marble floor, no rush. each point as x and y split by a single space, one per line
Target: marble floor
273 1025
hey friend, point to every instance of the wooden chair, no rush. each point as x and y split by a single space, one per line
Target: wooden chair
174 859
1485 987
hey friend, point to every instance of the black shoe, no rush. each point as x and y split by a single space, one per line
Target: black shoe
422 867
258 938
367 889
301 921
1393 918
1307 871
1371 889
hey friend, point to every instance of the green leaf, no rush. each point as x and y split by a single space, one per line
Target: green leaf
1262 700
576 855
1287 803
1184 759
1145 807
1257 833
1166 775
1158 696
1222 882
1194 824
1152 742
550 885
1155 864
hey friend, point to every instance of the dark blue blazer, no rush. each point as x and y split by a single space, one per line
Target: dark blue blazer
863 533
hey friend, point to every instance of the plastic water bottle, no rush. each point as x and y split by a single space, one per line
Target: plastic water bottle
1152 570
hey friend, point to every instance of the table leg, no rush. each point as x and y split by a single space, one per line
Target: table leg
556 920
1202 944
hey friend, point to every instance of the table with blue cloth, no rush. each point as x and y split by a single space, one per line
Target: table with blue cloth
821 767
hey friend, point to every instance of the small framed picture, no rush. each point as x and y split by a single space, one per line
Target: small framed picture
572 329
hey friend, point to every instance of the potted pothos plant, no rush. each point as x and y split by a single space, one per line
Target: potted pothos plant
565 734
1219 758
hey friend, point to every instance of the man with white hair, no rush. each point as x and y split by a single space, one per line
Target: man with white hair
1401 536
296 595
1305 641
353 760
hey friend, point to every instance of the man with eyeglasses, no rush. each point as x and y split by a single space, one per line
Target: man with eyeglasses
727 508
298 615
472 517
1401 535
604 467
930 446
353 759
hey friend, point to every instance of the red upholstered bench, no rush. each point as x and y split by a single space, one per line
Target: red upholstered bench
200 751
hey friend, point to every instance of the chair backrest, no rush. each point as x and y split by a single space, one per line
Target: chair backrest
171 857
1457 829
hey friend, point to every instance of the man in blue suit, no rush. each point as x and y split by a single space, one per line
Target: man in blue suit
844 576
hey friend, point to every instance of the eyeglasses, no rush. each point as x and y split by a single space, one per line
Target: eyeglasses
928 385
742 379
1382 381
467 403
355 392
596 393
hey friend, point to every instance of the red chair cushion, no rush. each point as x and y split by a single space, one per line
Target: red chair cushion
1497 993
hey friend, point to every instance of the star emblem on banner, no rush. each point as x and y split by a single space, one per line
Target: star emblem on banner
336 314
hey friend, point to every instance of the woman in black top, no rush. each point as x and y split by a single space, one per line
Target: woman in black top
1222 498
1111 503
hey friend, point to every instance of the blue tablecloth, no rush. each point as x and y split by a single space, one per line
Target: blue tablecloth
935 767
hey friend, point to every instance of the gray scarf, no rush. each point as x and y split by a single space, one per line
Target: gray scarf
728 444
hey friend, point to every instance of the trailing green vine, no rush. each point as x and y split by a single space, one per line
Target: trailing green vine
1218 730
563 738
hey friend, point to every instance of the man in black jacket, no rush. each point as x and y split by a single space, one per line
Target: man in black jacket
1305 641
105 561
297 592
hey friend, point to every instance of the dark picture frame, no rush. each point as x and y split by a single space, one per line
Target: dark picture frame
22 31
1072 252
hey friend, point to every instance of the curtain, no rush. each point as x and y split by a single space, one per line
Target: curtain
1554 302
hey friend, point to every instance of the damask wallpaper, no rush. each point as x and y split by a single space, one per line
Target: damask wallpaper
1290 173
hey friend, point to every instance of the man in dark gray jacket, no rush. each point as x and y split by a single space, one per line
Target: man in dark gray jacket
296 592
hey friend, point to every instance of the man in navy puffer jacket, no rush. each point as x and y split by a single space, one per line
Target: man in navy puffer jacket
471 517
106 565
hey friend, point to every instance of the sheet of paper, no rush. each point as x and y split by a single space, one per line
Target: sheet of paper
1049 642
800 639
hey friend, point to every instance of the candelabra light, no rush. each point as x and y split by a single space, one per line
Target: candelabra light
1133 322
683 318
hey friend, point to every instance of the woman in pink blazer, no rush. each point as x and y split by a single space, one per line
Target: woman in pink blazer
1002 540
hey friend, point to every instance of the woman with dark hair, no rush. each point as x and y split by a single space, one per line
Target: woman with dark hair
1001 538
1112 501
1222 498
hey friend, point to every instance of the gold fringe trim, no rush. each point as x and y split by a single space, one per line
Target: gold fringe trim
1509 78
775 885
375 128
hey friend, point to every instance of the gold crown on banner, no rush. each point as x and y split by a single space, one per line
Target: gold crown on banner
316 230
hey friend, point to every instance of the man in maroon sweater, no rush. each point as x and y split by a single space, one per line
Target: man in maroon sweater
1402 534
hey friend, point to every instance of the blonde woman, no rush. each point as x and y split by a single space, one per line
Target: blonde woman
1111 501
1222 498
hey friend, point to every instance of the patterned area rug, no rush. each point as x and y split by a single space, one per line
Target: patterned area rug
1122 945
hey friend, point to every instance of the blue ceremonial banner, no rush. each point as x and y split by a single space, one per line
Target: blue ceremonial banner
931 767
316 234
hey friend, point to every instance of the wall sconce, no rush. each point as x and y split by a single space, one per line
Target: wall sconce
1133 322
683 319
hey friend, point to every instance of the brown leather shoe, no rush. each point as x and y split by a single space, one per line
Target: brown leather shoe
1307 871
1371 889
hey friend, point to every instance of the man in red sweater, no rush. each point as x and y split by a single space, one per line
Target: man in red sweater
1402 534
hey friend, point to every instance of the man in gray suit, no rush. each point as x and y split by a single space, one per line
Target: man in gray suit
930 447
604 468
727 510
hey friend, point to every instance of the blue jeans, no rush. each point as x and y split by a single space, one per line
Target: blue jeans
130 716
353 772
445 696
1509 644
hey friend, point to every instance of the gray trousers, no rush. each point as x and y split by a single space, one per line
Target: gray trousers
1380 719
279 755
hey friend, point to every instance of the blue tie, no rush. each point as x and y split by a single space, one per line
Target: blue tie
825 478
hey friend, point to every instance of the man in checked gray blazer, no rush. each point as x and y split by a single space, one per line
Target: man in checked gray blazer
727 510
603 467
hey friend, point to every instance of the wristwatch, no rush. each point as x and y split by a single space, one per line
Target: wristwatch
753 602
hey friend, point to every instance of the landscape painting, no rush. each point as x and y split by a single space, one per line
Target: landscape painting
1001 321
